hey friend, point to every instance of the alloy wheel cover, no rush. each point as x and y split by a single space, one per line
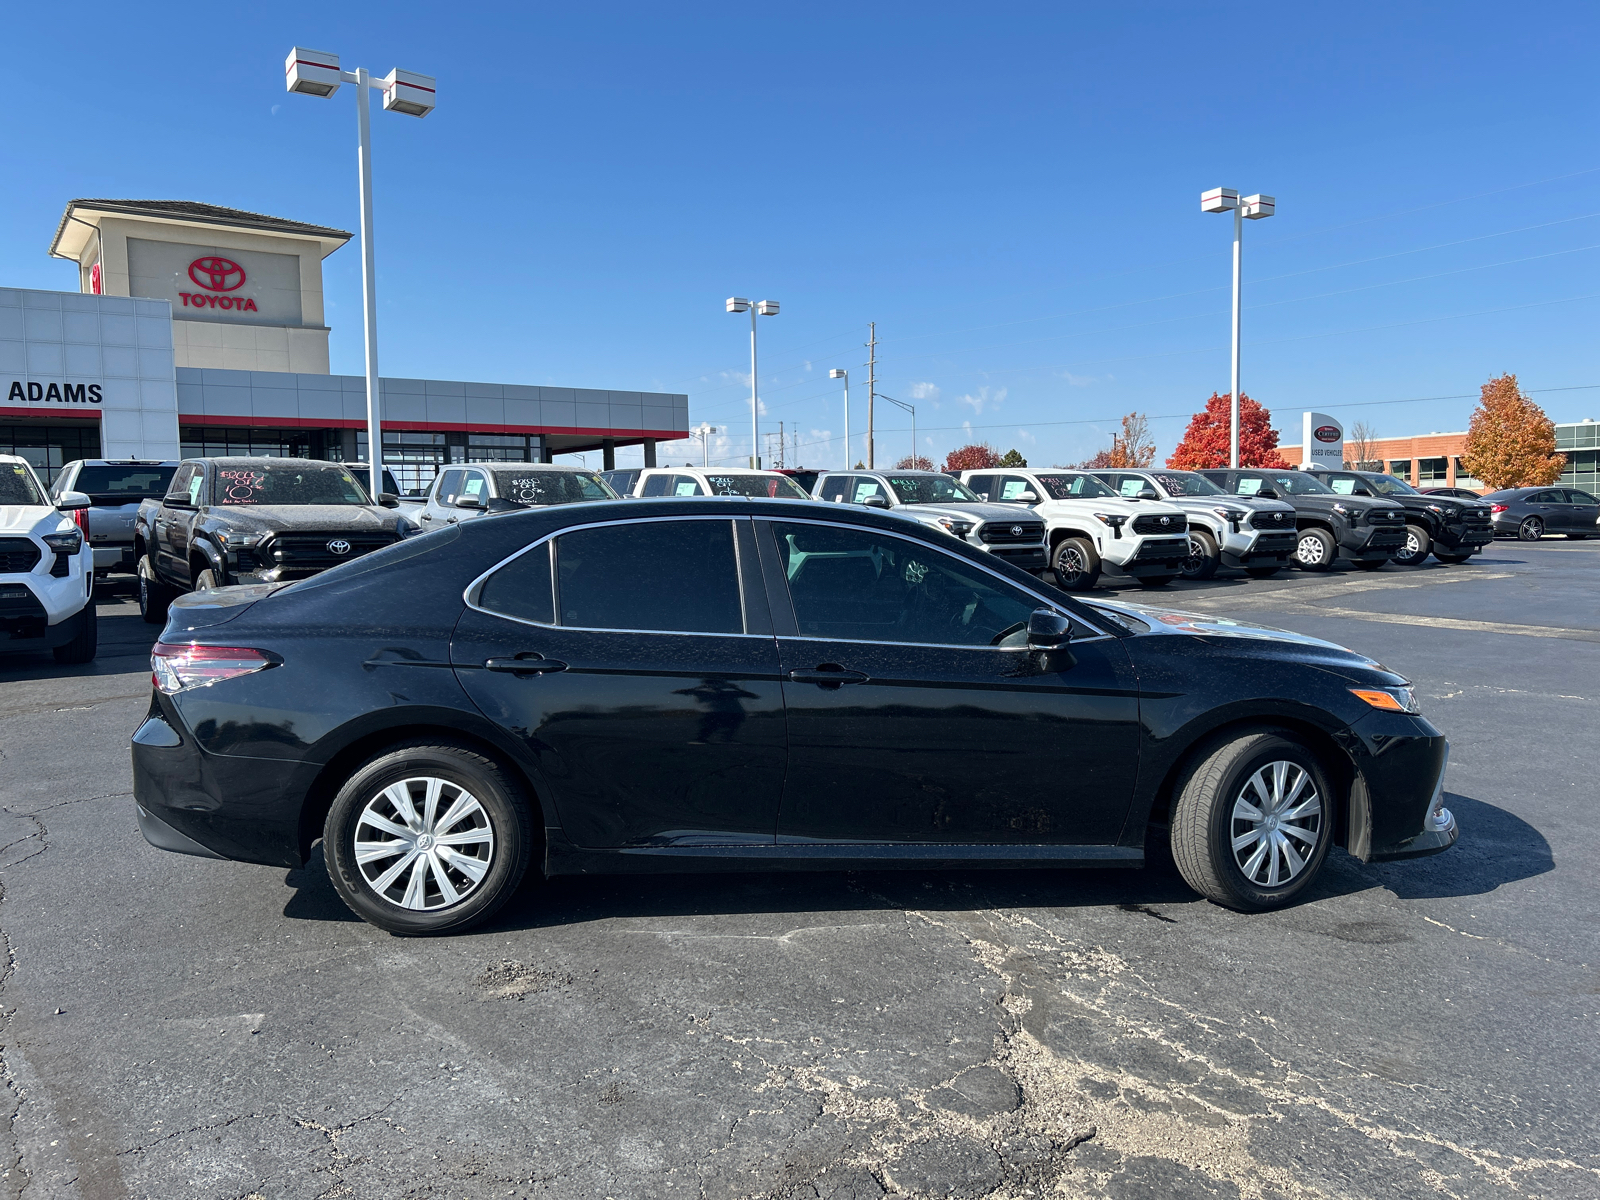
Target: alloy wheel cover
1275 824
428 843
1309 549
1072 559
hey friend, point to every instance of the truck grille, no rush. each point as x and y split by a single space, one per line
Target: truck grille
309 551
1149 523
18 555
1272 520
999 533
1385 539
1163 549
1384 516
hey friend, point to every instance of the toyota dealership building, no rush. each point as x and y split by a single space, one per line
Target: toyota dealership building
200 330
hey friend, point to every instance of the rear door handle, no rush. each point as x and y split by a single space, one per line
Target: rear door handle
524 666
828 676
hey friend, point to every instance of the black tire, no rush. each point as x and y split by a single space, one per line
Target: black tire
1261 572
1156 581
154 597
1370 564
502 806
1076 564
82 648
1531 529
206 581
1206 820
1453 559
1204 556
1419 542
1315 549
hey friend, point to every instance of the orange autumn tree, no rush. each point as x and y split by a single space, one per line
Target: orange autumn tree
1205 442
1511 443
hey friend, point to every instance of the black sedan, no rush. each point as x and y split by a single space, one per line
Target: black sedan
788 686
1531 512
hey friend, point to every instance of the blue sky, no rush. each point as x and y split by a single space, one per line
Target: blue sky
1010 192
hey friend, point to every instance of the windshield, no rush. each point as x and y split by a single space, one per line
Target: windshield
1072 486
1291 483
1187 483
551 487
122 485
931 489
284 483
17 485
1379 485
779 486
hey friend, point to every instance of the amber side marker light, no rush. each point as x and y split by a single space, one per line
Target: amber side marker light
1387 701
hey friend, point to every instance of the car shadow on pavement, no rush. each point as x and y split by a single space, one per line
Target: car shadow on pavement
124 646
1495 848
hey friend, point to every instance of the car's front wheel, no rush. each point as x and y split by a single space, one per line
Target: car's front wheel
83 646
1204 556
1415 551
154 597
1315 550
1253 821
1076 565
428 838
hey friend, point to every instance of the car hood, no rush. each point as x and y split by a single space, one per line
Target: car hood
323 518
20 520
965 510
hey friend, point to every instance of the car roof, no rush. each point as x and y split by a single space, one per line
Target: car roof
522 466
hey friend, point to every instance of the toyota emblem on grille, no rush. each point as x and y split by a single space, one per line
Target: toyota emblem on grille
1016 531
1166 520
338 546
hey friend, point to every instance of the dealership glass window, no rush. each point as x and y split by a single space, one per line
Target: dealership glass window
693 585
865 585
1400 467
1432 472
1578 436
227 441
1466 480
1582 469
48 448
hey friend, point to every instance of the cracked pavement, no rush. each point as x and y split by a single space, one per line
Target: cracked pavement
179 1027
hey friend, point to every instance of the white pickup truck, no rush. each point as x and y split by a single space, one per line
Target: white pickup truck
46 568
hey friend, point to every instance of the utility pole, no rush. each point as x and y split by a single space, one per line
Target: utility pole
872 379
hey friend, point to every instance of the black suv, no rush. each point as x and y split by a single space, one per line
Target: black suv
1453 530
1363 529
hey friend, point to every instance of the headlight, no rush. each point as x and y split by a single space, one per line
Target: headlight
959 528
1396 699
238 541
1234 515
1353 515
1449 514
65 543
1115 520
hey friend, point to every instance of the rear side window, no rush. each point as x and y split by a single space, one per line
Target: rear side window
833 487
522 588
449 487
692 585
655 485
123 484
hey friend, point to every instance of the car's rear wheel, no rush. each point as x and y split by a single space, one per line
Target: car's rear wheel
1204 557
1417 545
1315 550
428 838
1531 529
82 648
154 597
1076 565
1261 572
205 581
1253 821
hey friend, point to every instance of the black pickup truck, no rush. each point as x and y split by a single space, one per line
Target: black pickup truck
254 520
1329 526
1453 530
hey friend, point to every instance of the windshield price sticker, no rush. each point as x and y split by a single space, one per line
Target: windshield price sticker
240 485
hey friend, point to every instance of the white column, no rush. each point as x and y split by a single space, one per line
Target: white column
369 283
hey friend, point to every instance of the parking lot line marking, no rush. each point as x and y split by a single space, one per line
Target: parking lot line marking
1320 591
1543 631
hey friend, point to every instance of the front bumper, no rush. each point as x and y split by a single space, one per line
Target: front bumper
1249 547
1397 805
25 625
1466 537
1029 558
1366 543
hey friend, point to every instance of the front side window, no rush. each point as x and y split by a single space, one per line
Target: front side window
526 486
777 486
683 485
475 487
1071 485
1581 498
196 482
17 485
865 585
692 585
1013 488
1388 485
864 488
1130 485
283 483
1290 483
930 489
178 489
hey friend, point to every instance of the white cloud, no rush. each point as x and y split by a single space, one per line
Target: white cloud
1024 436
1078 380
984 399
925 391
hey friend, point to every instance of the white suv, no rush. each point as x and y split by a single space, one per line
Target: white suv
1238 531
46 568
1088 527
715 481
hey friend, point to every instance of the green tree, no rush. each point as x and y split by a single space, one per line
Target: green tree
1012 459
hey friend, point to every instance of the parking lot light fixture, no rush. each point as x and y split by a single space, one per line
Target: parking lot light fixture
763 308
318 73
912 409
1252 208
841 373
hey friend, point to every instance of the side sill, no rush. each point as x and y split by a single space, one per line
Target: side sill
832 856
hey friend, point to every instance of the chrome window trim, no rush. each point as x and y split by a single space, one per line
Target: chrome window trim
1044 601
470 593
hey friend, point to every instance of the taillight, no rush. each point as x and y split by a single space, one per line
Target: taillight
1494 508
176 668
80 518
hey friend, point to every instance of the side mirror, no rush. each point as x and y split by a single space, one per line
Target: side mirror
73 501
499 504
468 502
388 500
1048 630
1027 498
1267 493
875 502
1147 493
1361 490
983 496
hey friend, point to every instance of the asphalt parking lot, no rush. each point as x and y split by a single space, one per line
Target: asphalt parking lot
178 1027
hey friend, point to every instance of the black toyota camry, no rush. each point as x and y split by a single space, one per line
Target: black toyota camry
744 684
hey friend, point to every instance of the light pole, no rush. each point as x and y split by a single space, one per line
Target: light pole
704 434
317 73
1220 200
765 308
912 409
841 373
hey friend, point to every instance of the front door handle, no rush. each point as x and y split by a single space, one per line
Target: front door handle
828 675
427 516
524 666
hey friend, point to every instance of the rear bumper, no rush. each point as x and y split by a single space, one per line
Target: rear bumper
114 557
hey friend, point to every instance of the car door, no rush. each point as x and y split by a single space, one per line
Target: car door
440 508
474 486
1585 512
907 723
1550 507
175 519
651 706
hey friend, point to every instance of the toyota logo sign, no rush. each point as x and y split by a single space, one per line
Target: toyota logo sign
1166 520
1016 531
217 274
338 546
1328 433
